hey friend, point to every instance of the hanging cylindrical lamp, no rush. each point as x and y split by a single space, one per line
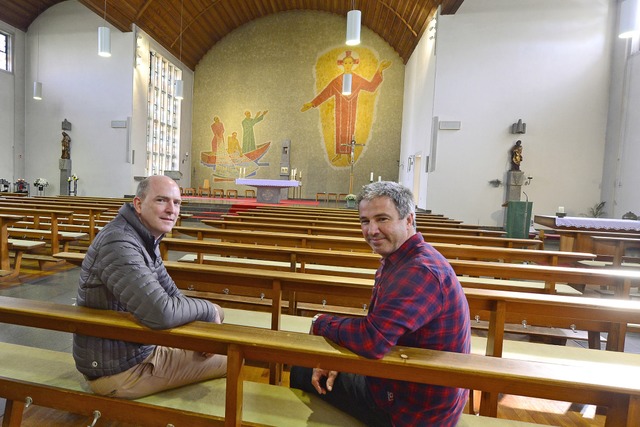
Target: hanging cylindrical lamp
629 26
179 93
104 42
179 89
37 90
347 79
104 36
353 27
37 85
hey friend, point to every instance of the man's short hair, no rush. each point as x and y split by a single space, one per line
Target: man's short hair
143 188
401 196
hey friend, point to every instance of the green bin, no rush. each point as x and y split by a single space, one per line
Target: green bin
518 219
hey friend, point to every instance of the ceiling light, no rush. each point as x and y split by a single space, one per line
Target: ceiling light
37 90
629 19
353 27
104 36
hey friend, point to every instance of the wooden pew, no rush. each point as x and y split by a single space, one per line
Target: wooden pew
92 212
617 245
356 292
6 272
348 217
37 214
341 242
309 226
610 385
251 215
330 211
318 260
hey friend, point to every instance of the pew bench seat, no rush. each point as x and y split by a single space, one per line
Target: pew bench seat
20 248
484 282
50 378
515 285
65 237
513 349
281 265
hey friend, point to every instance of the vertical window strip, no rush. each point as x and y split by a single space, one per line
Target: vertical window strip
163 116
5 52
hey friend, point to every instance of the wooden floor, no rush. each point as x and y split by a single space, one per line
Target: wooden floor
59 284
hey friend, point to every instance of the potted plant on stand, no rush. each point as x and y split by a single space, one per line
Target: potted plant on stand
73 185
351 200
40 184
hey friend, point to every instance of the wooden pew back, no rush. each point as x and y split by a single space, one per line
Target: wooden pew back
615 388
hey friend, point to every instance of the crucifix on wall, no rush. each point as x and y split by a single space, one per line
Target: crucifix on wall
353 146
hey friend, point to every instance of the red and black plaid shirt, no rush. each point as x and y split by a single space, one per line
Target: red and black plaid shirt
417 301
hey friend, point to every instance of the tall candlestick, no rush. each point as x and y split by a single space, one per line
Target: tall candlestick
371 177
379 178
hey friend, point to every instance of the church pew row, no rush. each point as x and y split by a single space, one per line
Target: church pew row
252 214
611 386
38 215
283 224
495 306
341 242
354 264
324 211
19 247
92 212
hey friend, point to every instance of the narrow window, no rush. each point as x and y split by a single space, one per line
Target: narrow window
163 116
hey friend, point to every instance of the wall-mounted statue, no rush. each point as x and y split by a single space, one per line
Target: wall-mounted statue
66 146
516 156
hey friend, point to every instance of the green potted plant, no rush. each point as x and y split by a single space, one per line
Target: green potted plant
351 200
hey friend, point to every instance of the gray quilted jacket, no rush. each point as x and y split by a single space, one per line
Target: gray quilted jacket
123 271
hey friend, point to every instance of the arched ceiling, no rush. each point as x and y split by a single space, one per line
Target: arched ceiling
205 22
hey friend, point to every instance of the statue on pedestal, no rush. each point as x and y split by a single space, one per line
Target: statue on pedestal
516 156
66 146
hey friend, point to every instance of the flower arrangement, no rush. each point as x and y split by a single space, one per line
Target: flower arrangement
20 186
73 177
350 197
41 182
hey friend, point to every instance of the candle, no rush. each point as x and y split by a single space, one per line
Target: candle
560 209
379 178
371 177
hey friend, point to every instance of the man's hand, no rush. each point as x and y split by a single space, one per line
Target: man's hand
219 316
318 375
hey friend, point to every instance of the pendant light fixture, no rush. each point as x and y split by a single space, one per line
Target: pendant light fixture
37 85
354 17
347 79
104 36
629 26
179 82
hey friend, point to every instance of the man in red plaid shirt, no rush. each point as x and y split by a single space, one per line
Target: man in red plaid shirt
417 301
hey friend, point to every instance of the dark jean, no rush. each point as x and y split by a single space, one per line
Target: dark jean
350 394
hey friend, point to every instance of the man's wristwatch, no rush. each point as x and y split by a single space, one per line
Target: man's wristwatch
313 321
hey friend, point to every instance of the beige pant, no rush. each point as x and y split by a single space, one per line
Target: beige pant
164 369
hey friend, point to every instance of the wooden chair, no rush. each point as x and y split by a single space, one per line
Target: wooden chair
323 196
250 193
232 193
218 192
205 189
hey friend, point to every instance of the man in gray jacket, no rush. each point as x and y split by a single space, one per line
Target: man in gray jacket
123 271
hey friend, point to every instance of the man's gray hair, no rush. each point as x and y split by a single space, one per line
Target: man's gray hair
401 196
143 188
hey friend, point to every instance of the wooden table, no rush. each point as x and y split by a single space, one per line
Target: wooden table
577 237
268 189
5 222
